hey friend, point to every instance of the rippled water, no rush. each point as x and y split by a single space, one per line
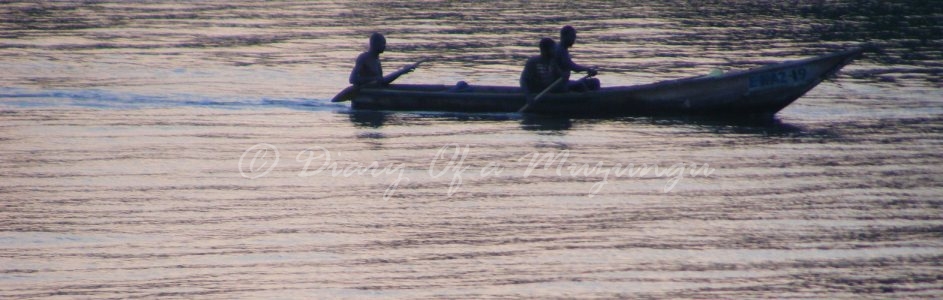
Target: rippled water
138 144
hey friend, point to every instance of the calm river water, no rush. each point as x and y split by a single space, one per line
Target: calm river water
165 149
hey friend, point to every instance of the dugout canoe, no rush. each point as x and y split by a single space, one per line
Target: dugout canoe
760 91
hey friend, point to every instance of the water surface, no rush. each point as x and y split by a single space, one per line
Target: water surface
128 131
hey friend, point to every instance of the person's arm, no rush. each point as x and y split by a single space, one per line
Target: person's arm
580 68
567 61
393 76
355 76
354 73
527 76
574 66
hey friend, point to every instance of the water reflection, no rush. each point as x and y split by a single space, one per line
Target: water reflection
377 119
534 122
753 125
367 118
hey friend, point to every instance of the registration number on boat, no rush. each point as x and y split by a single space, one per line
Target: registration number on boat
787 77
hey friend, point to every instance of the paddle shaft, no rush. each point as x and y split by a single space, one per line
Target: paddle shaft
350 91
552 85
393 76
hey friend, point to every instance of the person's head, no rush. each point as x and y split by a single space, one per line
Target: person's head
568 36
546 48
377 43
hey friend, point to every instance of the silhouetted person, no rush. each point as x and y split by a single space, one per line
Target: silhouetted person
367 69
540 71
566 64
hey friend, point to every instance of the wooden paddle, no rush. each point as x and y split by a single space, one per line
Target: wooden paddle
552 85
351 91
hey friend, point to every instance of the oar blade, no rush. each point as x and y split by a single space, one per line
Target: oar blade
350 92
345 95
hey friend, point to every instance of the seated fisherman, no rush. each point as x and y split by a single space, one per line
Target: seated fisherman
540 72
368 71
566 64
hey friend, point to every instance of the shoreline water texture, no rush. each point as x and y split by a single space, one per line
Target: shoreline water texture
166 149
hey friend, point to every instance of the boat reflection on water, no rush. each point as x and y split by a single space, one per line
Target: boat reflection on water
530 122
757 125
534 122
367 118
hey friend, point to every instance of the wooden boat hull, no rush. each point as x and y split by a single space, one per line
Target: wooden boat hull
764 90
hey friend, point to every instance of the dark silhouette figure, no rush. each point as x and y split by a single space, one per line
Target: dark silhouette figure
368 71
566 64
540 72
